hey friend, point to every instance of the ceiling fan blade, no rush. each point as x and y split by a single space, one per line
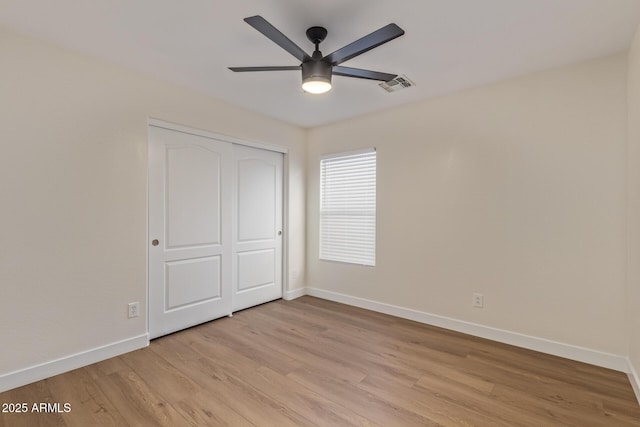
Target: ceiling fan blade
262 25
365 44
277 68
362 74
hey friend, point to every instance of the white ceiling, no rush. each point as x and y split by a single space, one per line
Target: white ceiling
448 45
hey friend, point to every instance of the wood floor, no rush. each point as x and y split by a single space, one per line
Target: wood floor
314 362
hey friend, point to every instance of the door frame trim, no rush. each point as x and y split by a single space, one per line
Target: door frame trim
233 140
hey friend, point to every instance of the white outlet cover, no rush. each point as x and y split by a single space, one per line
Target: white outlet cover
134 309
478 300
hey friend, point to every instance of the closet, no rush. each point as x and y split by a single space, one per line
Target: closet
215 227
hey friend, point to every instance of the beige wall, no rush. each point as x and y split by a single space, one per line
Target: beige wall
73 194
633 213
515 190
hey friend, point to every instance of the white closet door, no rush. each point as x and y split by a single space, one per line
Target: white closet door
190 226
257 231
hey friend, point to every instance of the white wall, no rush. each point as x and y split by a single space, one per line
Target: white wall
633 212
515 190
73 176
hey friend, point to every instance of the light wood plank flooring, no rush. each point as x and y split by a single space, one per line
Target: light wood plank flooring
312 362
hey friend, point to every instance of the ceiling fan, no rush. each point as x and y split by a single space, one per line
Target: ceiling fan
317 69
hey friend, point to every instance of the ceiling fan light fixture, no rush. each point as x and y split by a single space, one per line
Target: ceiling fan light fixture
316 84
316 76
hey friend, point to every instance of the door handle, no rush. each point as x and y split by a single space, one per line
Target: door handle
280 233
155 242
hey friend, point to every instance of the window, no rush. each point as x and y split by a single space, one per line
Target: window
348 208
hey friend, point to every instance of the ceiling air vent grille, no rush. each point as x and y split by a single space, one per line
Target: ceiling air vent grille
400 82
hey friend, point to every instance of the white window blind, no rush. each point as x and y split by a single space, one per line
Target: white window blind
348 208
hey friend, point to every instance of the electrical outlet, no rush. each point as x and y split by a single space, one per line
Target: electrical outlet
478 300
134 309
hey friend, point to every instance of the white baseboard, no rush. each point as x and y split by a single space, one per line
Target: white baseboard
294 293
48 369
634 379
568 351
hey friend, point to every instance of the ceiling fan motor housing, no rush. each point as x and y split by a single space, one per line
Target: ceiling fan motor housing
316 69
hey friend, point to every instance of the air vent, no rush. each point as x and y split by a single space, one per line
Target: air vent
400 82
